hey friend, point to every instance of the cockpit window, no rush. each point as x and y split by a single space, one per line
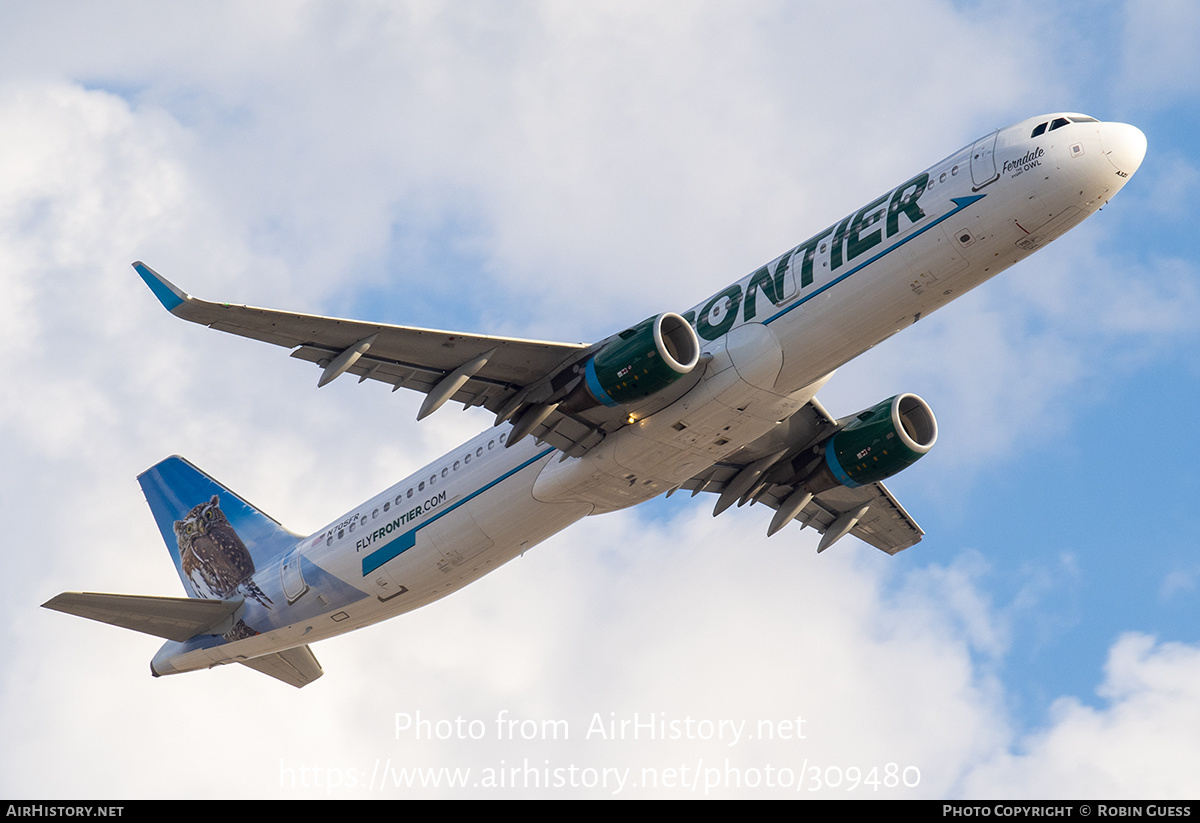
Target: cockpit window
1059 122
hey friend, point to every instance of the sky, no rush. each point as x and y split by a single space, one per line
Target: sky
559 171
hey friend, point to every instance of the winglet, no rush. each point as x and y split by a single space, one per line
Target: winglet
170 295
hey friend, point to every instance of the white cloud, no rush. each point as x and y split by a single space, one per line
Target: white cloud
1140 743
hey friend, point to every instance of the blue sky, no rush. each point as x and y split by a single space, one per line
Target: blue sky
558 171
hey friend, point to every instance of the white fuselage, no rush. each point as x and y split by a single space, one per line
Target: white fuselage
770 340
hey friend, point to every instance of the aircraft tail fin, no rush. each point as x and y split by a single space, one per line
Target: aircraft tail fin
215 537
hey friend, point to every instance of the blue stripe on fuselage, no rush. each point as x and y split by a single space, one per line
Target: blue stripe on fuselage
960 203
404 542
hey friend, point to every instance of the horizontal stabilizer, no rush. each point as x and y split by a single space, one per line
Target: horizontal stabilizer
296 667
171 618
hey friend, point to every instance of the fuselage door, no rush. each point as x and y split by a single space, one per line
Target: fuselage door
292 577
983 161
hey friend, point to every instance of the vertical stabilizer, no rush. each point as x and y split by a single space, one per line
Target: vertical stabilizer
216 539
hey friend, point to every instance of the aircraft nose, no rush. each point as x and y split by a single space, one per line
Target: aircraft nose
1124 145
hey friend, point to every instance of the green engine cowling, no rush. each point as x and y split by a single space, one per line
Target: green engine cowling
881 441
642 360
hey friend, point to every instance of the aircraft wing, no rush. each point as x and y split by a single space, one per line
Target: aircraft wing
872 513
497 373
885 525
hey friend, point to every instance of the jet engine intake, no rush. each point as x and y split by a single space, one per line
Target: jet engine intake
637 363
867 447
881 441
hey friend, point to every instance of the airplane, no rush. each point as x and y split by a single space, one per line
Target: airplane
718 399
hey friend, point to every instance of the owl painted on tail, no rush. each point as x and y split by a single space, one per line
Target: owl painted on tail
213 557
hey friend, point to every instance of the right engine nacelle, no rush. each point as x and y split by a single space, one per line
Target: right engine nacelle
881 441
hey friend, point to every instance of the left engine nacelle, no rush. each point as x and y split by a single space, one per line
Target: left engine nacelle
881 441
641 361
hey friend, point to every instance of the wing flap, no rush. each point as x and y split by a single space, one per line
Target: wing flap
405 374
568 434
886 525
